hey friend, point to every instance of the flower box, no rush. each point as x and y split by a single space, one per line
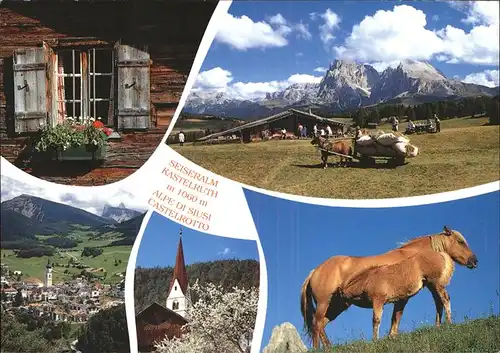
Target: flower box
82 153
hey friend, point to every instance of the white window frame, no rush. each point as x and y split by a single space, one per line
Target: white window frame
87 99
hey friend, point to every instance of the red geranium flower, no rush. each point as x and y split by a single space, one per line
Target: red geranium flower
107 131
98 124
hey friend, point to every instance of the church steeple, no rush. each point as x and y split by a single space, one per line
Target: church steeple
178 293
180 273
48 274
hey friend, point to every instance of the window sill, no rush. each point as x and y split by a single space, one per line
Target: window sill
115 136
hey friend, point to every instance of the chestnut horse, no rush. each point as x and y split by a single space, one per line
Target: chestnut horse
323 284
337 147
397 283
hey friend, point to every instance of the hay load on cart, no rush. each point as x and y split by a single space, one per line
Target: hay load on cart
393 147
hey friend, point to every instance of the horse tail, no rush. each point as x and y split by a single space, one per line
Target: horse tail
306 304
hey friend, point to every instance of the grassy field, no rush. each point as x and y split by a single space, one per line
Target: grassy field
465 153
477 336
35 266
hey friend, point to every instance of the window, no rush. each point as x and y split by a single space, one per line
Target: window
112 83
175 287
175 305
85 84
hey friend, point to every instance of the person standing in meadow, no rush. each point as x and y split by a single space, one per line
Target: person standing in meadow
181 138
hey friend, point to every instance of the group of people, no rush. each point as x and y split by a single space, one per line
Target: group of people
412 126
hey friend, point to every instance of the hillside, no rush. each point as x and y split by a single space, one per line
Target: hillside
36 230
25 216
345 86
481 335
151 284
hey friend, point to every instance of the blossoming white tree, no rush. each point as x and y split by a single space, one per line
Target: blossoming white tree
220 322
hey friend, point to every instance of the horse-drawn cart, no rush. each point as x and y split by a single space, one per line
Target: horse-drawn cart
368 150
366 157
369 155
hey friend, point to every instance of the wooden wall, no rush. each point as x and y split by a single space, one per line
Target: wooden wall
171 30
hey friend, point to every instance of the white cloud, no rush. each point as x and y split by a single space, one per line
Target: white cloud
391 35
214 78
91 199
487 78
401 33
479 46
303 78
313 16
331 22
225 252
320 69
277 19
303 31
435 18
483 12
242 33
248 90
382 65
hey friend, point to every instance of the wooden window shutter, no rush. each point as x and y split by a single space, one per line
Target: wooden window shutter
30 89
133 103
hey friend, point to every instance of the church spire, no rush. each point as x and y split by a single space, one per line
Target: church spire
180 273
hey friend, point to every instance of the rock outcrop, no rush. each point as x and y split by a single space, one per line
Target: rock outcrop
285 339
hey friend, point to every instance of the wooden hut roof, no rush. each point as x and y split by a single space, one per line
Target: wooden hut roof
156 322
154 307
276 117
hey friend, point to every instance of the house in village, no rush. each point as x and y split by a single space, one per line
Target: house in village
156 321
288 120
123 61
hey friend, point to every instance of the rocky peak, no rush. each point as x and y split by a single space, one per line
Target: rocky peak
26 205
296 92
420 69
285 339
350 73
118 214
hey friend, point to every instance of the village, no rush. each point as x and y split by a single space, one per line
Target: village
72 301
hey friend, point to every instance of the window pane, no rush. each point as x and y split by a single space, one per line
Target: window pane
68 88
65 61
69 109
102 86
103 61
101 111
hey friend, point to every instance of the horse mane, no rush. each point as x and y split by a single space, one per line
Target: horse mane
437 240
412 241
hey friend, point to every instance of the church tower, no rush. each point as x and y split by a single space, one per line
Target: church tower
179 298
48 274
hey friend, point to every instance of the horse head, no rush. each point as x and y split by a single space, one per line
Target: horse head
456 246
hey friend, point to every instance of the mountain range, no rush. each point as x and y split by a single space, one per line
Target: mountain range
26 216
119 214
345 86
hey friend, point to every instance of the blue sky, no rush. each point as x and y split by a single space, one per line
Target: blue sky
265 46
297 237
161 237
